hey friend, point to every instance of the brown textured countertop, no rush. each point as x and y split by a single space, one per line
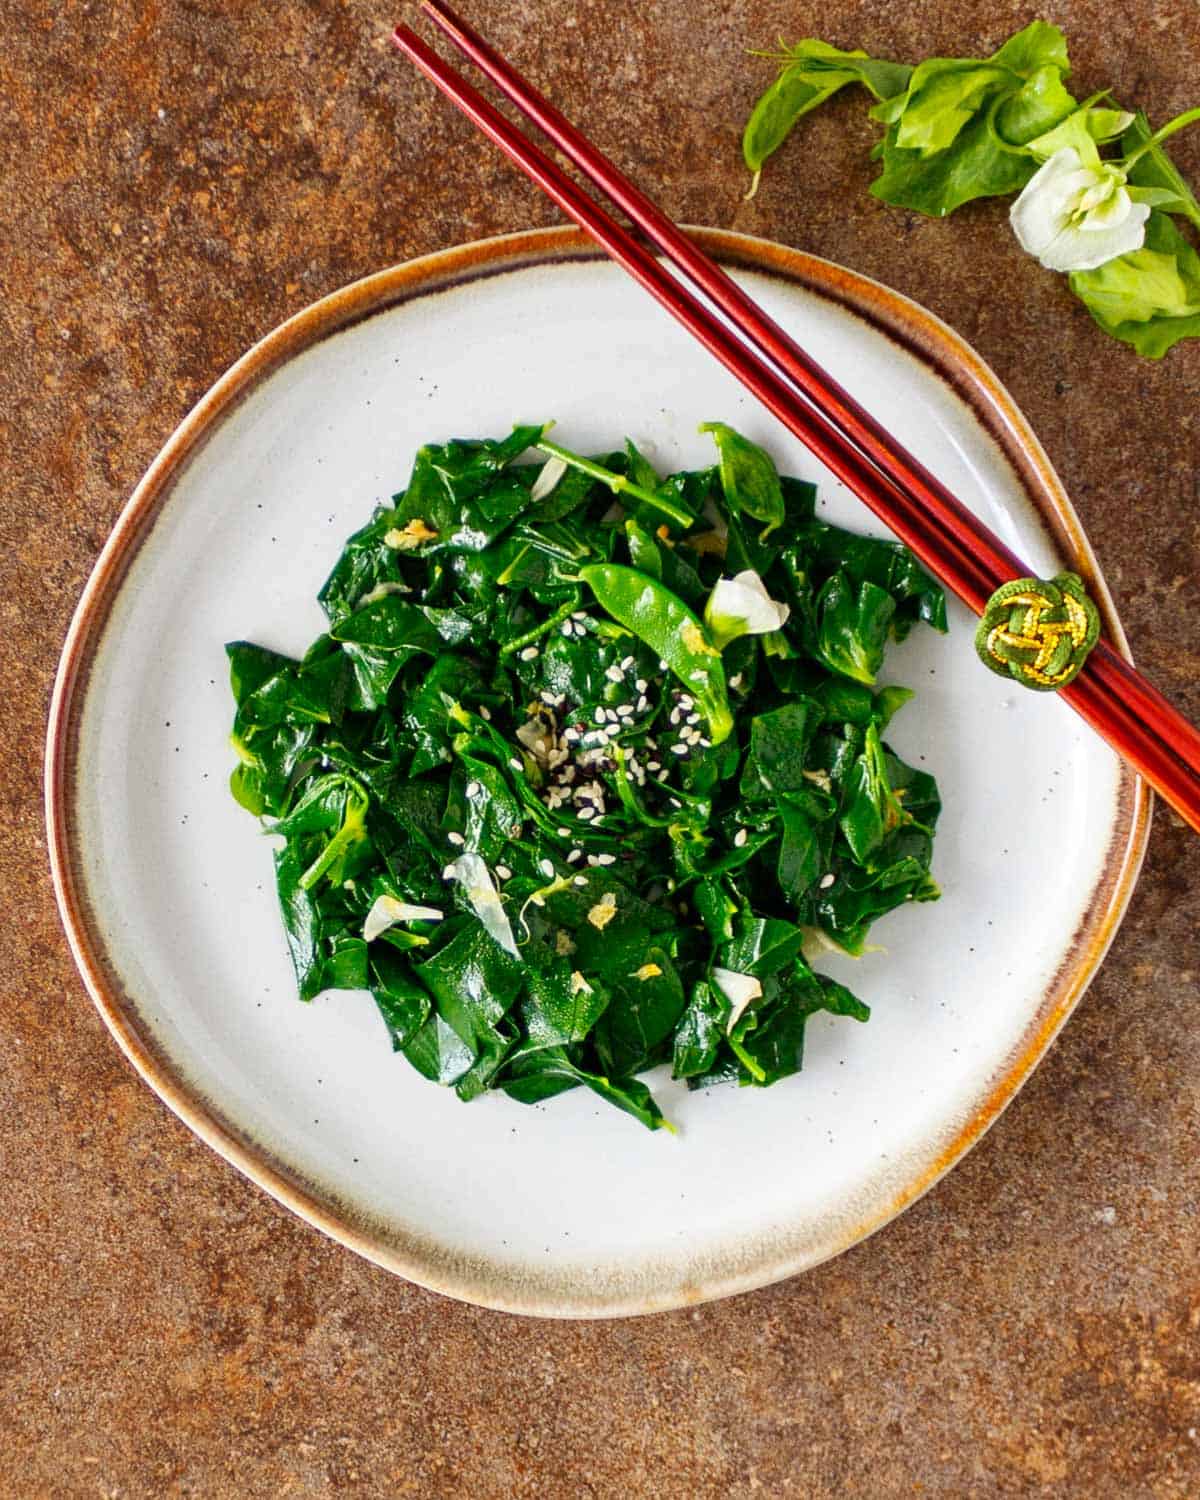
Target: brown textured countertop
180 175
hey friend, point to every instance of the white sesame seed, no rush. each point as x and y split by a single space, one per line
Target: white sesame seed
663 667
546 866
601 715
566 630
735 681
625 710
606 859
516 764
579 880
456 839
504 872
826 881
641 685
740 838
485 712
574 856
473 789
673 717
614 674
563 833
626 663
593 860
643 704
654 765
686 700
587 813
449 872
679 749
529 653
704 744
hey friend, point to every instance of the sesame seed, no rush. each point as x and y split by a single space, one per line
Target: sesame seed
606 859
530 653
626 663
826 881
516 764
566 630
686 700
625 710
579 880
504 872
673 716
601 715
485 713
679 749
456 839
663 666
473 789
449 872
593 860
587 813
643 704
563 833
704 744
574 856
614 674
579 614
546 866
735 681
654 765
641 685
739 838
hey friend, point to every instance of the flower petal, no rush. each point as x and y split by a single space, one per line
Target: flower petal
388 910
1044 206
739 990
741 606
1084 250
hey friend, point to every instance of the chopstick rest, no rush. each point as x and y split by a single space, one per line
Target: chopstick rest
1038 631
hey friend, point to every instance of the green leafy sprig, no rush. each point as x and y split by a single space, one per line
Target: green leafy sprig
957 129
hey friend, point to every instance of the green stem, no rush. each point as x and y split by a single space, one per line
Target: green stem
617 483
563 612
1189 117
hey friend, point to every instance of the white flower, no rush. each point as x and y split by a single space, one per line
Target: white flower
742 606
387 911
1075 217
739 989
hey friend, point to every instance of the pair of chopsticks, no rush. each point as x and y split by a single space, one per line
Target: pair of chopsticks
951 542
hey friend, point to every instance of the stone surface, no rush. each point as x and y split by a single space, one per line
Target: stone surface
179 175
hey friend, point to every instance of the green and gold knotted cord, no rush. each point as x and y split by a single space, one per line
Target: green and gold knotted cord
1038 631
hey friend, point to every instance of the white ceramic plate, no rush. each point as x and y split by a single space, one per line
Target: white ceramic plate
570 1208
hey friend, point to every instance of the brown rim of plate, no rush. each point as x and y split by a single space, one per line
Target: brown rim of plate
415 1257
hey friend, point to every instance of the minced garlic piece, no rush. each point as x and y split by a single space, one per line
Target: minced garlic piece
604 911
564 944
693 638
410 536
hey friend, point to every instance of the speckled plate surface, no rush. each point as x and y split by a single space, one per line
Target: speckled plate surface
568 1209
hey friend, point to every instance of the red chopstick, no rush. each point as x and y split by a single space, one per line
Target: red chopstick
950 556
998 562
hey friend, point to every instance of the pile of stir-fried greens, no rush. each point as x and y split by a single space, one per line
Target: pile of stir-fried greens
587 766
